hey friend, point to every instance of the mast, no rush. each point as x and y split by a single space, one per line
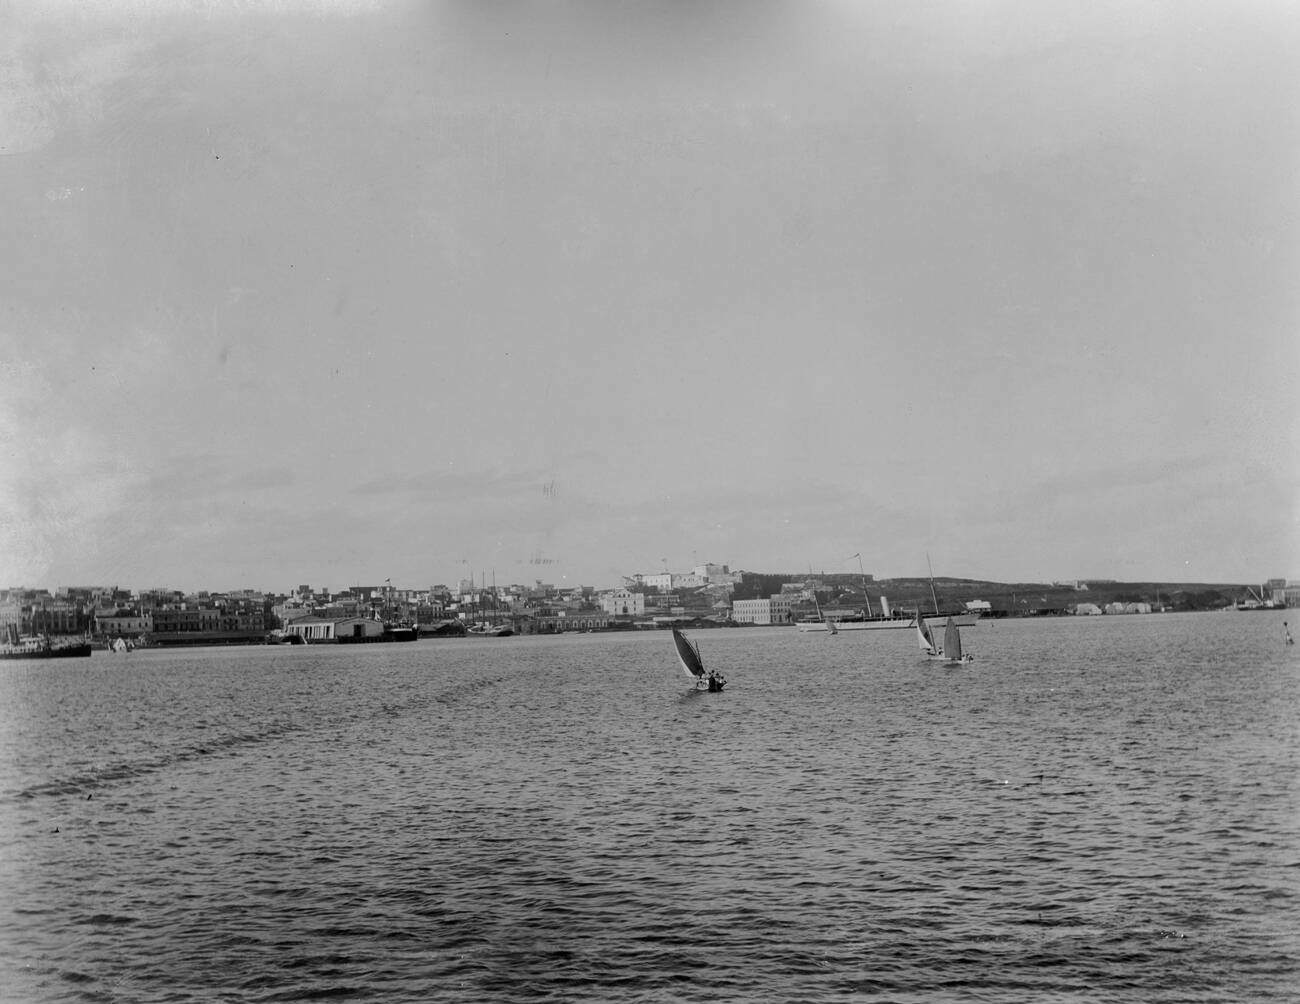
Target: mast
866 600
932 593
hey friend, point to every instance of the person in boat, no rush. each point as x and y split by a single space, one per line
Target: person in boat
1287 631
716 683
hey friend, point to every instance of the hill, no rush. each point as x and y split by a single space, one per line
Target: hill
1005 598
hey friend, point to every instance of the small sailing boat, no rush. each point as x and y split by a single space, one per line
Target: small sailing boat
688 654
821 616
952 653
925 638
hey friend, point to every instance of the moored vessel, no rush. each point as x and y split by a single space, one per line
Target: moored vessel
41 646
879 623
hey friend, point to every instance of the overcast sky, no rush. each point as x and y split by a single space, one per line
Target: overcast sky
346 292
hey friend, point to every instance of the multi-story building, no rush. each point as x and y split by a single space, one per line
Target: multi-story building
123 625
561 621
188 620
11 612
624 603
431 611
773 610
208 621
57 617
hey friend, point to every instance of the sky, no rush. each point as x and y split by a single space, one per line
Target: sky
335 293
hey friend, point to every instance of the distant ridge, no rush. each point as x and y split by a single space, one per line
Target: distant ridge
1010 597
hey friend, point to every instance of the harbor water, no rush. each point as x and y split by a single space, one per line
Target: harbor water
1098 809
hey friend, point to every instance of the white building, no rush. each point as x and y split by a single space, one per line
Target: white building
1128 608
324 629
668 581
623 603
773 610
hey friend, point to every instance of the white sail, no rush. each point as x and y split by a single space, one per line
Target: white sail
924 639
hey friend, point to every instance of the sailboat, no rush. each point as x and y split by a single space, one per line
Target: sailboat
925 638
490 626
952 653
688 654
821 616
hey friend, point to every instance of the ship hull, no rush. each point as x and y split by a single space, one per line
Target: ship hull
888 623
80 651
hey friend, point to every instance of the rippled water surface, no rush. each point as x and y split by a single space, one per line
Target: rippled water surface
1099 808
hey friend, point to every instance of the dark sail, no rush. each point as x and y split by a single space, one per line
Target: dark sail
688 655
952 642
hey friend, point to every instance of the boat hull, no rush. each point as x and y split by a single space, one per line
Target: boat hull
888 623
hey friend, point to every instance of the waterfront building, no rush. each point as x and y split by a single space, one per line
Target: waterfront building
773 610
123 625
563 621
188 620
329 629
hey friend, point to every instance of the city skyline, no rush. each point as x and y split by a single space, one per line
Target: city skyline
351 292
486 582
